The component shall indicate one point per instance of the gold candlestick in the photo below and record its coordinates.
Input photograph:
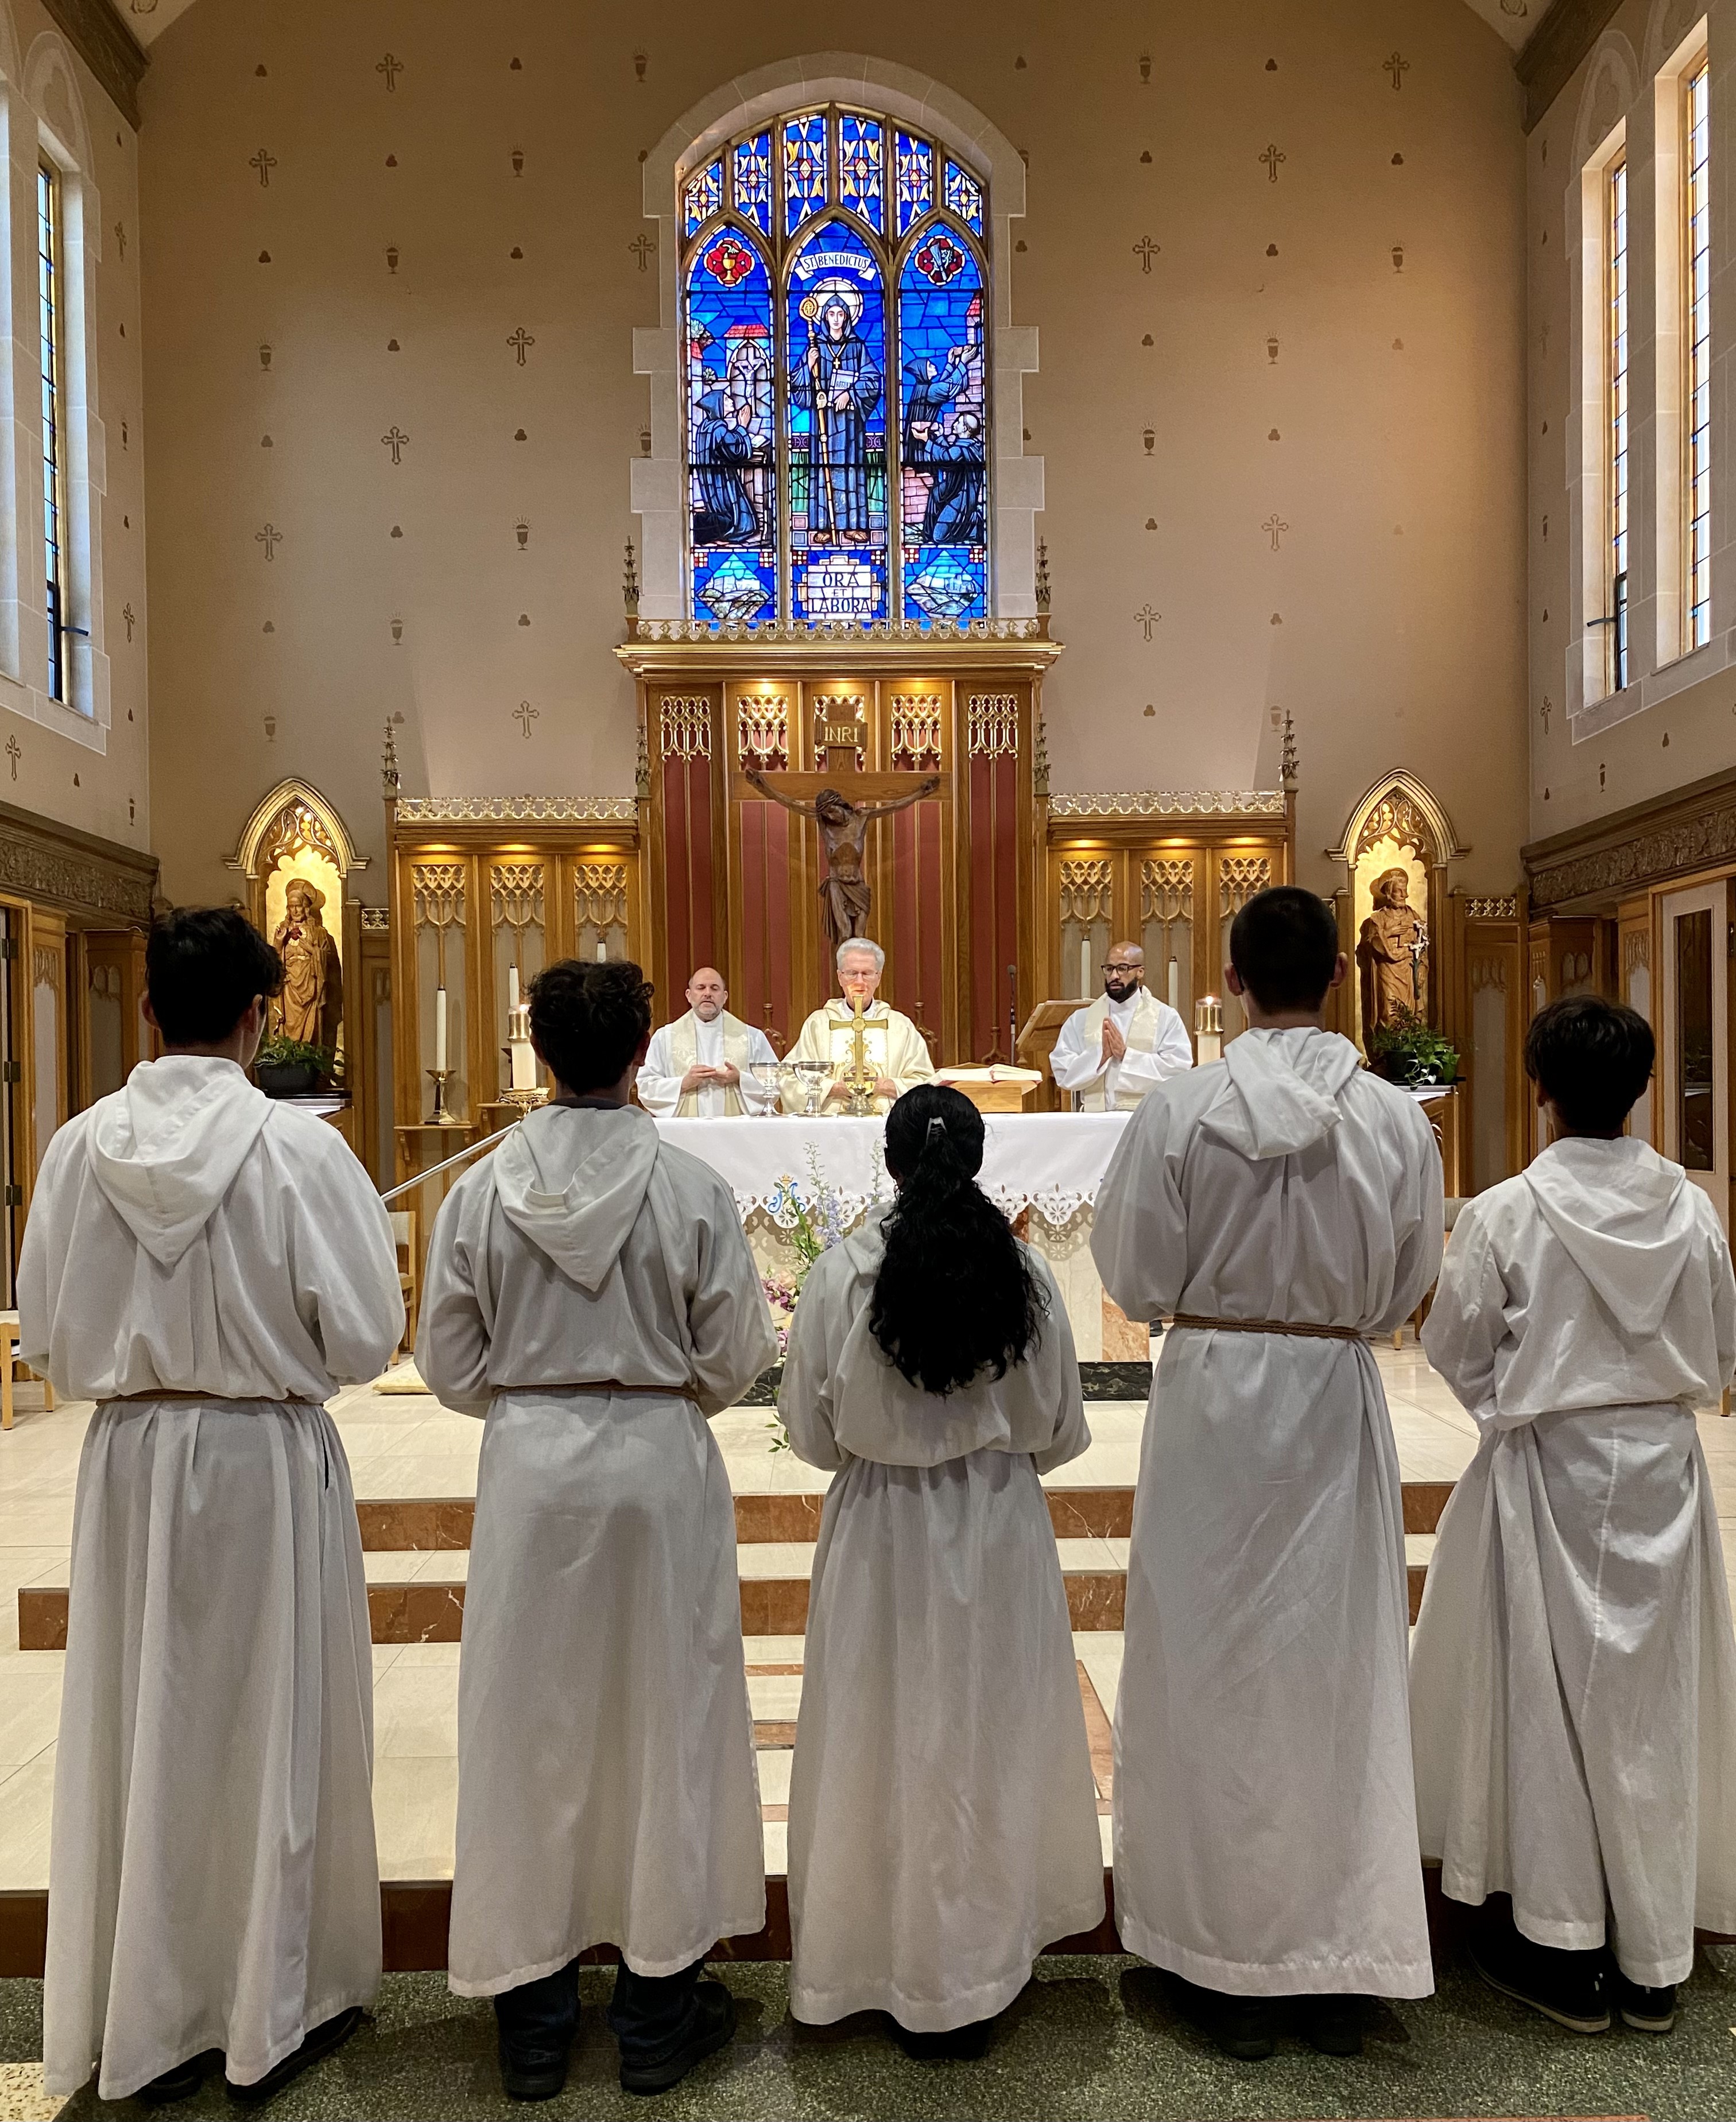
(440, 1117)
(1208, 1030)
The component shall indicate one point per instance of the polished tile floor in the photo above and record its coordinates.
(405, 1446)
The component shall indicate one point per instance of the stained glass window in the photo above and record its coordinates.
(859, 185)
(702, 196)
(915, 181)
(752, 178)
(804, 169)
(731, 456)
(965, 197)
(838, 418)
(49, 282)
(943, 542)
(1698, 336)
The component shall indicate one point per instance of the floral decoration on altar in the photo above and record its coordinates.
(816, 1219)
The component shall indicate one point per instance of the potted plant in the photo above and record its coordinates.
(1410, 1051)
(290, 1068)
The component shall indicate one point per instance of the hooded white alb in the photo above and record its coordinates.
(606, 1785)
(1264, 1836)
(1573, 1681)
(943, 1818)
(213, 1875)
(190, 1234)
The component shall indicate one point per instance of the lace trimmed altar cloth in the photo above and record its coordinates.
(1051, 1163)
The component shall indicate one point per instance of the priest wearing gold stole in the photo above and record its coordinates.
(895, 1050)
(708, 1064)
(1118, 1047)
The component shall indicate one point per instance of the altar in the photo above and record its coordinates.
(1042, 1169)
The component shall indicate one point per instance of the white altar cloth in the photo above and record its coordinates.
(1051, 1162)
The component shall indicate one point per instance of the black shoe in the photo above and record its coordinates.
(1646, 2011)
(186, 2078)
(319, 2044)
(967, 2043)
(1243, 2027)
(534, 2074)
(713, 2020)
(1570, 1987)
(1334, 2025)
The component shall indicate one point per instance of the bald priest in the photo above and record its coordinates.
(895, 1050)
(1113, 1051)
(707, 1065)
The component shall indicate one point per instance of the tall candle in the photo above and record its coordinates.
(512, 986)
(603, 954)
(1175, 984)
(1085, 967)
(440, 1027)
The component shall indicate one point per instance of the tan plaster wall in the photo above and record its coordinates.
(1399, 469)
(111, 793)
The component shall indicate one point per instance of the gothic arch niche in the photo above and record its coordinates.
(1400, 825)
(762, 100)
(294, 835)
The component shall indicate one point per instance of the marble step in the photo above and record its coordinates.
(774, 1562)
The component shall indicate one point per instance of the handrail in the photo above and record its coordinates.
(434, 1170)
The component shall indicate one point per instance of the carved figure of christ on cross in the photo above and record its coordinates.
(845, 892)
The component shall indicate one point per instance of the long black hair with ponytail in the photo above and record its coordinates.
(955, 1293)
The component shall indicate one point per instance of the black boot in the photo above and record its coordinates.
(966, 2044)
(665, 2024)
(536, 2023)
(1244, 2027)
(320, 2043)
(1570, 1987)
(182, 2082)
(1334, 2024)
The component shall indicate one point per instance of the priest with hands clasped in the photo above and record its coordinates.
(1116, 1050)
(894, 1047)
(708, 1064)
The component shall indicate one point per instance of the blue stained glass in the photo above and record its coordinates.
(860, 175)
(942, 430)
(702, 196)
(915, 181)
(752, 174)
(965, 197)
(731, 480)
(837, 496)
(804, 169)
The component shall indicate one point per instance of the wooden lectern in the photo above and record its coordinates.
(1036, 1043)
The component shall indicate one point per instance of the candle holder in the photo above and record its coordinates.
(440, 1117)
(1208, 1030)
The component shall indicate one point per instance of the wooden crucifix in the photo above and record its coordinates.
(845, 894)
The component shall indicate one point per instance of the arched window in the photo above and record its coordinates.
(834, 345)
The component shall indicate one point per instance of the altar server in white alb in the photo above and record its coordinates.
(1118, 1047)
(1284, 1205)
(1572, 1685)
(892, 1042)
(943, 1816)
(708, 1064)
(209, 1266)
(589, 1292)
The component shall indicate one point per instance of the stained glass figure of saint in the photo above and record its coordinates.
(943, 430)
(837, 339)
(732, 535)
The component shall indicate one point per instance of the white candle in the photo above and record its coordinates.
(603, 954)
(512, 986)
(440, 1027)
(1085, 967)
(1175, 984)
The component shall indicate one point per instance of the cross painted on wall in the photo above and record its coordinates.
(264, 162)
(642, 247)
(1147, 618)
(1145, 251)
(524, 714)
(1398, 67)
(1272, 158)
(395, 440)
(520, 341)
(121, 237)
(390, 68)
(270, 538)
(126, 613)
(14, 752)
(1275, 527)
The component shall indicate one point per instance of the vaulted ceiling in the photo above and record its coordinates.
(1512, 19)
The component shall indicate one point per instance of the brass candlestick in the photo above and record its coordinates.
(440, 1117)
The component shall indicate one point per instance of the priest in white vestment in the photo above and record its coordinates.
(943, 1816)
(1110, 1054)
(893, 1045)
(590, 1293)
(1284, 1205)
(708, 1064)
(1573, 1679)
(208, 1266)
